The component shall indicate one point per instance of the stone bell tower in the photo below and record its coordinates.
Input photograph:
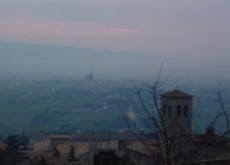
(176, 111)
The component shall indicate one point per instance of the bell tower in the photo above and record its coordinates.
(176, 112)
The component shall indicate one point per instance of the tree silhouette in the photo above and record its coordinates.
(2, 157)
(12, 154)
(71, 156)
(56, 153)
(179, 148)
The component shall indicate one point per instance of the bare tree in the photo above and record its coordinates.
(173, 137)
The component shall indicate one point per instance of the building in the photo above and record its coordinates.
(176, 107)
(51, 142)
(176, 122)
(140, 153)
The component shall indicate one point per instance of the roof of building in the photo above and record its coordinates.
(59, 137)
(210, 137)
(147, 149)
(176, 94)
(103, 136)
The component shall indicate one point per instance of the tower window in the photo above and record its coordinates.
(169, 111)
(185, 111)
(178, 111)
(164, 110)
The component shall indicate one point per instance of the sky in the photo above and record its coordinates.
(193, 31)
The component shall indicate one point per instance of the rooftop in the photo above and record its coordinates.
(59, 137)
(104, 136)
(176, 94)
(139, 147)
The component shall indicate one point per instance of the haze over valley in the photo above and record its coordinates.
(49, 47)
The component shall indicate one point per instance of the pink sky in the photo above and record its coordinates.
(192, 28)
(66, 33)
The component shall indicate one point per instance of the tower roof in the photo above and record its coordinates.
(176, 94)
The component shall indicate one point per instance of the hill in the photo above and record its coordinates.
(53, 60)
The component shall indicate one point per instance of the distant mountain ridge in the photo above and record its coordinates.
(27, 47)
(52, 59)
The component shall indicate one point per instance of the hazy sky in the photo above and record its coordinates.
(193, 30)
